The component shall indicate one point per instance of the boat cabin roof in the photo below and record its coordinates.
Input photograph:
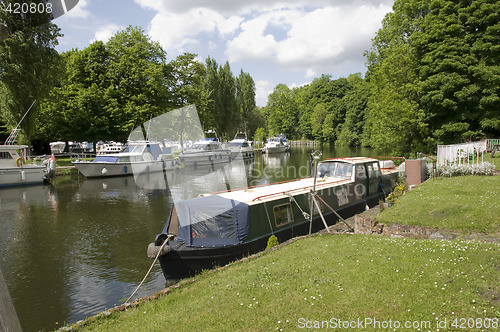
(351, 160)
(9, 147)
(259, 194)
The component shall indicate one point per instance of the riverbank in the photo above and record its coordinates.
(328, 279)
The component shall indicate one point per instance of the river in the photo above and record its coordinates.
(77, 247)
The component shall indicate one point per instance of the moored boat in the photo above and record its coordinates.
(138, 157)
(275, 145)
(218, 228)
(207, 151)
(16, 171)
(241, 147)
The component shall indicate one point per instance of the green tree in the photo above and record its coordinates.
(355, 103)
(187, 82)
(222, 110)
(245, 98)
(107, 89)
(317, 119)
(458, 52)
(138, 75)
(282, 112)
(433, 73)
(29, 64)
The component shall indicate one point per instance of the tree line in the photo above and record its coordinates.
(433, 78)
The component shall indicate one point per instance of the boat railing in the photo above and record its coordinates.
(82, 156)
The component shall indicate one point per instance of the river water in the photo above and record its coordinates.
(77, 247)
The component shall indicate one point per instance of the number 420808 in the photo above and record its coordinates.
(25, 8)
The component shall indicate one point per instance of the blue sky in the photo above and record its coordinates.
(276, 42)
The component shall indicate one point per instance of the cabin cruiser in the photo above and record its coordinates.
(240, 146)
(57, 147)
(206, 152)
(275, 145)
(285, 141)
(217, 228)
(15, 170)
(138, 157)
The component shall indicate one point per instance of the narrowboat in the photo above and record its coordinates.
(215, 229)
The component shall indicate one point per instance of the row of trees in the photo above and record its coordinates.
(433, 78)
(109, 88)
(103, 91)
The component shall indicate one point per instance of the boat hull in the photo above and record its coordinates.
(183, 261)
(91, 169)
(17, 176)
(275, 149)
(195, 159)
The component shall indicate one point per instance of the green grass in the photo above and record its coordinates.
(468, 204)
(329, 278)
(495, 160)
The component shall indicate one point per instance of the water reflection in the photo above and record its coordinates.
(73, 249)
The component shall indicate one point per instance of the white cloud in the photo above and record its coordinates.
(315, 40)
(262, 90)
(174, 31)
(79, 11)
(105, 32)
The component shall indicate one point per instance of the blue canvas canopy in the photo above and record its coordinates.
(212, 221)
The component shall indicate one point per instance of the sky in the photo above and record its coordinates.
(277, 42)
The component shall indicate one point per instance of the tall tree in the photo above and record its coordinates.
(187, 81)
(108, 88)
(282, 112)
(222, 110)
(434, 74)
(245, 98)
(138, 75)
(28, 63)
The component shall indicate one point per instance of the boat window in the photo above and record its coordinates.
(200, 146)
(326, 169)
(235, 144)
(283, 214)
(5, 155)
(343, 170)
(372, 170)
(360, 172)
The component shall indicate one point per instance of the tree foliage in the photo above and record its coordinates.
(434, 75)
(28, 64)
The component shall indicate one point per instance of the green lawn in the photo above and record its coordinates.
(467, 204)
(328, 280)
(495, 160)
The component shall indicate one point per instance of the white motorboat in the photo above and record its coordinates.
(138, 157)
(240, 146)
(15, 171)
(285, 141)
(205, 152)
(275, 145)
(57, 147)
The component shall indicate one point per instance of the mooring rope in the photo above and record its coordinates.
(268, 218)
(150, 268)
(305, 214)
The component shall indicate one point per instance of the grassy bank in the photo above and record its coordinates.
(468, 204)
(329, 278)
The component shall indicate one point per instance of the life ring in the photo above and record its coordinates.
(20, 161)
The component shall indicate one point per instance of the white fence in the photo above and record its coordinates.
(490, 143)
(466, 153)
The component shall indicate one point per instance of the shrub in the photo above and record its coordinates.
(485, 168)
